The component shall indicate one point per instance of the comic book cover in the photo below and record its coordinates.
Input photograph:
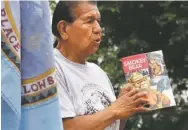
(147, 71)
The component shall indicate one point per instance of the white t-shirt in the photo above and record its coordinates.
(83, 88)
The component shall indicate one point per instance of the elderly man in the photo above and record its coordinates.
(87, 99)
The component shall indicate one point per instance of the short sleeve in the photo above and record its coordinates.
(66, 105)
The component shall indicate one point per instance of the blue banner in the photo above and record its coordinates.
(10, 65)
(29, 95)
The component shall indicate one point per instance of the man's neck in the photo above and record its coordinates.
(71, 54)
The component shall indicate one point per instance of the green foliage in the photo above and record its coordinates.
(132, 27)
(52, 5)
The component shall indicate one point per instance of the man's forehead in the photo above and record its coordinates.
(86, 10)
(93, 12)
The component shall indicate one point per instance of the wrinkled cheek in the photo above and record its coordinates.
(88, 34)
(87, 38)
(76, 38)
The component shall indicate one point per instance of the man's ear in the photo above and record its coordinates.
(62, 28)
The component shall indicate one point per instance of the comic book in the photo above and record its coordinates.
(147, 71)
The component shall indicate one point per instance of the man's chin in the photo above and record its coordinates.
(93, 51)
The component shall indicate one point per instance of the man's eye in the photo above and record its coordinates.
(90, 20)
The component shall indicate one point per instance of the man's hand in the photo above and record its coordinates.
(125, 88)
(129, 102)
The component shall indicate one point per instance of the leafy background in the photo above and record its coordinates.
(131, 27)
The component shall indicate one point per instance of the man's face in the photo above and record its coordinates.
(84, 34)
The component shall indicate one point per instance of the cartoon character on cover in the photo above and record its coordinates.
(156, 68)
(139, 81)
(156, 98)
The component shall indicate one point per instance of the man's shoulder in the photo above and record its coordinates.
(95, 67)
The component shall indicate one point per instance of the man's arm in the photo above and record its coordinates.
(97, 121)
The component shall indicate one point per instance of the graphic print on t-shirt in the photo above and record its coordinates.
(95, 98)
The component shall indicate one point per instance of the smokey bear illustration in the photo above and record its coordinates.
(149, 77)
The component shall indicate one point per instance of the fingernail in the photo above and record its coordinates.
(145, 92)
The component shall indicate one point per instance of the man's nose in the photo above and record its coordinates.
(97, 28)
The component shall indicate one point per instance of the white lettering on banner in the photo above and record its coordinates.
(134, 64)
(38, 86)
(7, 30)
(137, 61)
